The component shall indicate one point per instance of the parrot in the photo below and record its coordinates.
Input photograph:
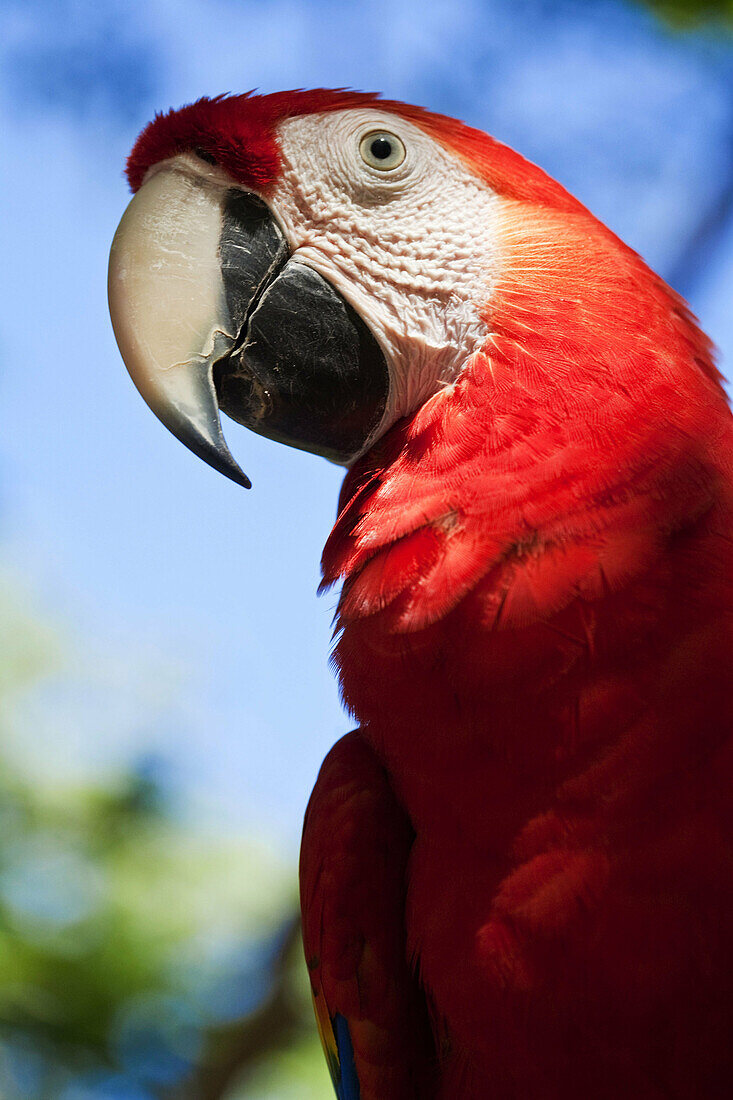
(516, 872)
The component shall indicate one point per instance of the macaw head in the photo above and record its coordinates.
(315, 264)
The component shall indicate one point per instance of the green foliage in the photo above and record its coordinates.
(296, 1073)
(129, 938)
(690, 13)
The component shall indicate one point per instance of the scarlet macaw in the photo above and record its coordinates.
(517, 873)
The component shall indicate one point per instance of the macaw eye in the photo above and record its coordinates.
(382, 150)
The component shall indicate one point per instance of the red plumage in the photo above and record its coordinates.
(529, 841)
(536, 632)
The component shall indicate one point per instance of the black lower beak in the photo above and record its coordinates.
(306, 370)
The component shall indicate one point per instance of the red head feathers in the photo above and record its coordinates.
(239, 132)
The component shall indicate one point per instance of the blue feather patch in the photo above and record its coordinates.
(347, 1087)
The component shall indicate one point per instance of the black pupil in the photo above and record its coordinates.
(381, 148)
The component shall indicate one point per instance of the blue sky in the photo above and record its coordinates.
(186, 606)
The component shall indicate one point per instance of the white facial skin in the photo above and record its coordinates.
(412, 248)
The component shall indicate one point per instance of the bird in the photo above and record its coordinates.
(517, 869)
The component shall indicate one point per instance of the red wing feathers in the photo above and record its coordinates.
(354, 858)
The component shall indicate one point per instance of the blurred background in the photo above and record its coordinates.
(165, 696)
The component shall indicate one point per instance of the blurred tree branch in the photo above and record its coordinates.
(701, 244)
(702, 241)
(236, 1047)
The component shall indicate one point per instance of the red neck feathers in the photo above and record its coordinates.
(536, 563)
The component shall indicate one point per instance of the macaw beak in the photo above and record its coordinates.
(210, 311)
